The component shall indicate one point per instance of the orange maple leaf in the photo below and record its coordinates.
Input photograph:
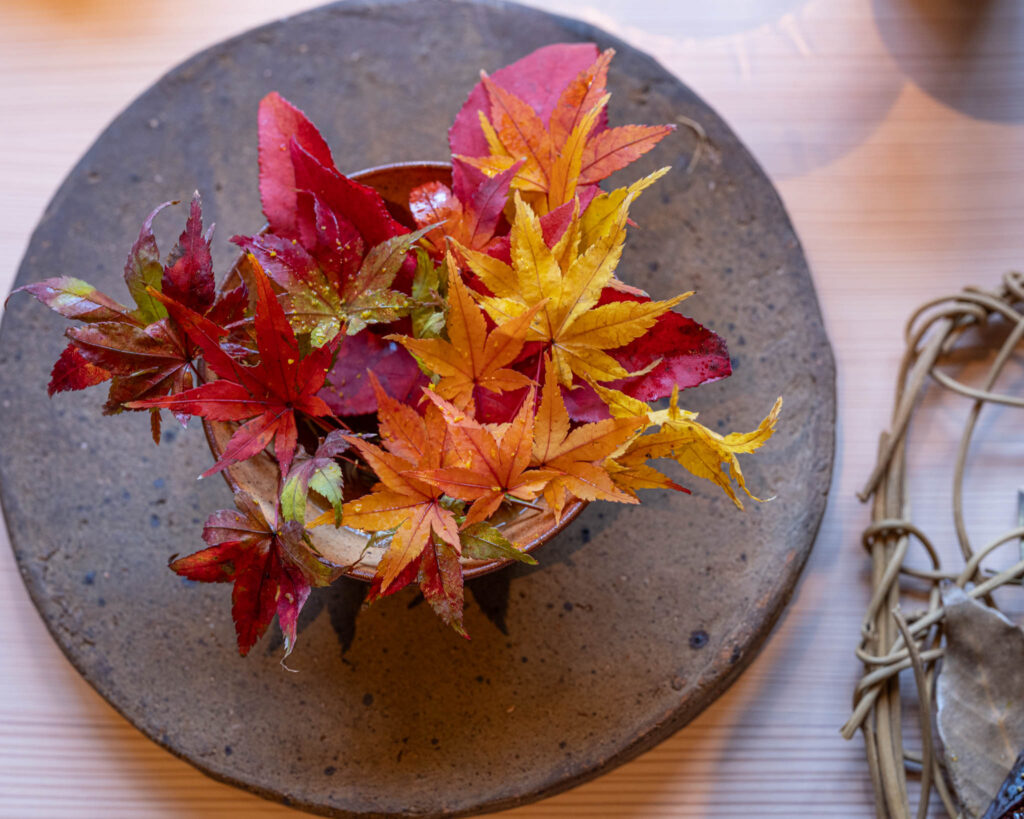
(572, 149)
(577, 456)
(426, 536)
(471, 357)
(498, 457)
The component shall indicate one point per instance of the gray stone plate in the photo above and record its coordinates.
(637, 617)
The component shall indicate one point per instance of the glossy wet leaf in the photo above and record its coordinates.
(470, 212)
(348, 391)
(188, 276)
(144, 270)
(73, 371)
(427, 316)
(281, 124)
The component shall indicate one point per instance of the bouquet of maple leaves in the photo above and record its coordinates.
(499, 359)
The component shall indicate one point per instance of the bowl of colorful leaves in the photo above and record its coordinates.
(417, 373)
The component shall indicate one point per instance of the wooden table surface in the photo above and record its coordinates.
(894, 130)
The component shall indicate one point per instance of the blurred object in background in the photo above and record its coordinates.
(960, 51)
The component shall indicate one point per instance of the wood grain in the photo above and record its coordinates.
(893, 130)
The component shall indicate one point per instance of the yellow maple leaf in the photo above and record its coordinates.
(621, 405)
(634, 475)
(602, 214)
(699, 450)
(567, 282)
(471, 356)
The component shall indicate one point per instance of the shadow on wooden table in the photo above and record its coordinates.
(967, 55)
(778, 113)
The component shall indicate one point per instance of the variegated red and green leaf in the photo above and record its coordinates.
(272, 569)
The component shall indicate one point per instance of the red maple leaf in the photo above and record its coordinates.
(266, 395)
(539, 78)
(280, 124)
(272, 568)
(143, 352)
(347, 390)
(306, 198)
(321, 228)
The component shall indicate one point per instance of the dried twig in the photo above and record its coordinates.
(890, 643)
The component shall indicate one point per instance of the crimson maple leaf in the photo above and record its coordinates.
(272, 568)
(348, 391)
(143, 352)
(296, 164)
(266, 395)
(306, 199)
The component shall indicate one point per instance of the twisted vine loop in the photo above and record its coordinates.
(891, 640)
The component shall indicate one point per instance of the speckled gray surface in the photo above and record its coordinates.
(636, 618)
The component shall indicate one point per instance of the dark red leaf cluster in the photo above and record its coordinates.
(321, 225)
(268, 395)
(144, 351)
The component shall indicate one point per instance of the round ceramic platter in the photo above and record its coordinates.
(636, 618)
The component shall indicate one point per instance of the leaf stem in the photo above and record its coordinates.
(521, 502)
